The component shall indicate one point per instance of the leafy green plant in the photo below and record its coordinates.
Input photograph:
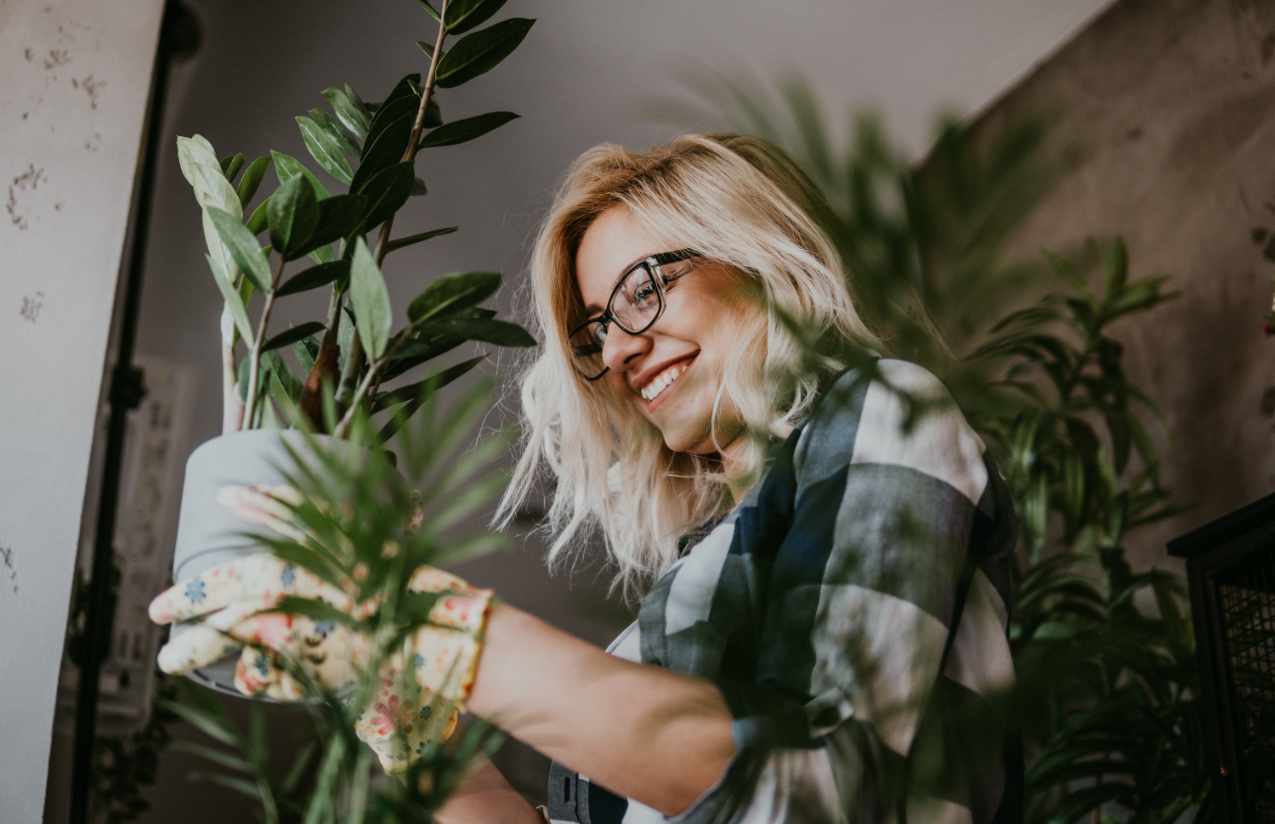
(371, 149)
(349, 515)
(1107, 695)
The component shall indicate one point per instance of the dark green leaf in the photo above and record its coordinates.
(319, 275)
(239, 785)
(386, 192)
(431, 10)
(294, 214)
(287, 167)
(234, 304)
(499, 332)
(481, 51)
(348, 113)
(325, 149)
(371, 301)
(294, 334)
(463, 15)
(459, 131)
(400, 243)
(252, 179)
(451, 293)
(339, 219)
(230, 166)
(433, 114)
(433, 383)
(243, 247)
(219, 757)
(204, 721)
(427, 48)
(259, 220)
(387, 141)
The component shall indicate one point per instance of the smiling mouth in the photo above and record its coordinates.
(663, 382)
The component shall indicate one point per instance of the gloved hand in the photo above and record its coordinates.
(225, 597)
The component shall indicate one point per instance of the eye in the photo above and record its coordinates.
(644, 293)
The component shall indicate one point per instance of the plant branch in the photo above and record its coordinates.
(254, 367)
(354, 362)
(231, 406)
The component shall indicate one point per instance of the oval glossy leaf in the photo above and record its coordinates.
(436, 381)
(451, 293)
(325, 149)
(459, 131)
(230, 166)
(384, 148)
(287, 167)
(202, 171)
(386, 192)
(499, 332)
(481, 51)
(463, 15)
(339, 218)
(294, 213)
(290, 336)
(371, 301)
(402, 242)
(433, 114)
(349, 114)
(234, 304)
(319, 275)
(259, 220)
(243, 247)
(251, 180)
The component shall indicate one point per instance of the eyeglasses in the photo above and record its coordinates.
(636, 302)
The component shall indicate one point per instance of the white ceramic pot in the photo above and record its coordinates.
(208, 533)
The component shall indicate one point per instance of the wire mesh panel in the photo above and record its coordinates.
(1231, 568)
(1246, 599)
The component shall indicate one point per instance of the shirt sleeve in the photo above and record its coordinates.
(885, 509)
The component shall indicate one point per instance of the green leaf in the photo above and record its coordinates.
(481, 51)
(252, 179)
(202, 170)
(287, 167)
(403, 242)
(460, 131)
(234, 304)
(463, 15)
(204, 721)
(430, 9)
(316, 276)
(293, 335)
(259, 220)
(325, 149)
(219, 757)
(499, 332)
(386, 143)
(239, 785)
(230, 166)
(433, 383)
(433, 114)
(371, 301)
(427, 48)
(339, 219)
(451, 293)
(386, 192)
(348, 113)
(243, 247)
(294, 214)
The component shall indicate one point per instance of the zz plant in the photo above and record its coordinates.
(371, 151)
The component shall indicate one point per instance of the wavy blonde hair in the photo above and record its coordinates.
(737, 200)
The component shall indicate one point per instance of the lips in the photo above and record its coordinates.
(655, 390)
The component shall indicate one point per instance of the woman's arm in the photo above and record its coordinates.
(641, 731)
(485, 797)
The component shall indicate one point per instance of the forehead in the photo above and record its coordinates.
(614, 241)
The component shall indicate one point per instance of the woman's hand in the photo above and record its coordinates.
(232, 603)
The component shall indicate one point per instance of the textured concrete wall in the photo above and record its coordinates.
(1172, 103)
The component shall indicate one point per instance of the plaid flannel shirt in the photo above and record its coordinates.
(821, 607)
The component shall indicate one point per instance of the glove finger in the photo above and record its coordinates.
(266, 506)
(464, 611)
(433, 579)
(255, 672)
(203, 643)
(217, 587)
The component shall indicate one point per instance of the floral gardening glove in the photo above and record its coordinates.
(440, 657)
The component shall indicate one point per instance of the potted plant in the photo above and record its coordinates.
(347, 364)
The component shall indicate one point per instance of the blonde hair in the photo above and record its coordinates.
(737, 200)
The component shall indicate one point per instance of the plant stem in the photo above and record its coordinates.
(354, 362)
(231, 406)
(250, 406)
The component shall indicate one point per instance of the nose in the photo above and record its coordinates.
(621, 347)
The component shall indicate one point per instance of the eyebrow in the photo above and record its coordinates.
(593, 308)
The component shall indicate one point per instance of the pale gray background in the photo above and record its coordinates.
(584, 75)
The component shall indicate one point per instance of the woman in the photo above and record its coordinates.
(802, 546)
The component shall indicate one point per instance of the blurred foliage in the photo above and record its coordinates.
(1107, 696)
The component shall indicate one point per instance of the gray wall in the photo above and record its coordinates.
(586, 74)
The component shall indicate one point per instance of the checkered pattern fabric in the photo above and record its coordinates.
(821, 607)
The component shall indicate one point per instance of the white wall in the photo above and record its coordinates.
(76, 76)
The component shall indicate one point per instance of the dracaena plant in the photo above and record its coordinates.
(316, 238)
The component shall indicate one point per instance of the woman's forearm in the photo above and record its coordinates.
(642, 731)
(485, 797)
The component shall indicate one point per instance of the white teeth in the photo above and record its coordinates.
(662, 381)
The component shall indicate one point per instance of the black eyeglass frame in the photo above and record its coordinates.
(648, 263)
